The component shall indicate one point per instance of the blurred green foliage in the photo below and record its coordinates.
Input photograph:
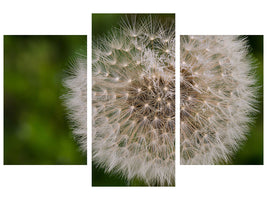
(36, 130)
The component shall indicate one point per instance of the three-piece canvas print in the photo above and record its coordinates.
(133, 98)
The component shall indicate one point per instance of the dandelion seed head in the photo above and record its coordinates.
(217, 97)
(76, 99)
(138, 141)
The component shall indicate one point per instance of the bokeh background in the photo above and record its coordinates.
(250, 153)
(36, 129)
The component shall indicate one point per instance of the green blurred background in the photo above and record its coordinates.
(250, 153)
(36, 129)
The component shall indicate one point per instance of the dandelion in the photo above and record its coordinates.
(217, 97)
(134, 101)
(76, 100)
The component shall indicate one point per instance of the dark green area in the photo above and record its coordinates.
(100, 178)
(102, 24)
(36, 130)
